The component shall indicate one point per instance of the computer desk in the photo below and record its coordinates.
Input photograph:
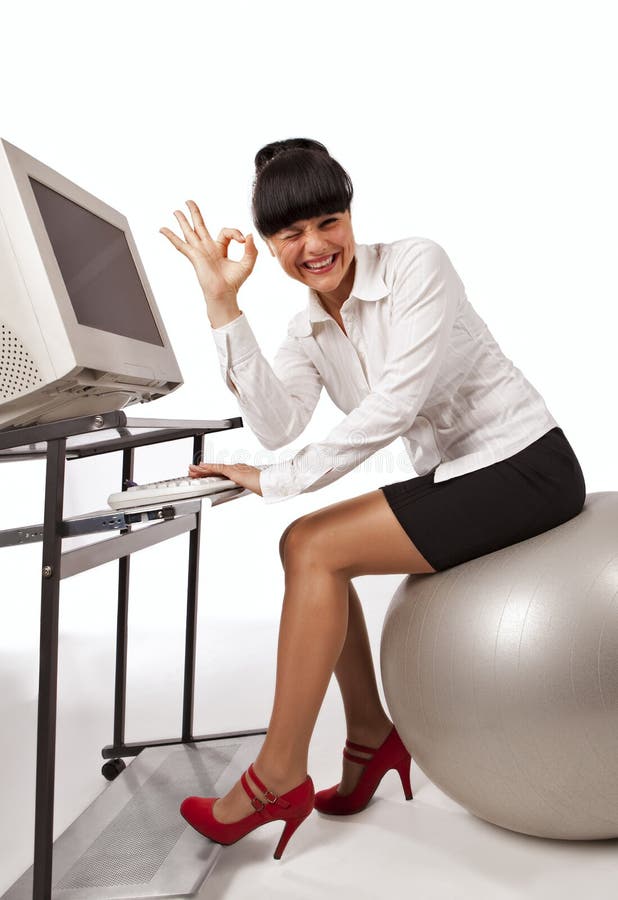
(58, 443)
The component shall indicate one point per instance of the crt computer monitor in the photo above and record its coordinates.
(80, 332)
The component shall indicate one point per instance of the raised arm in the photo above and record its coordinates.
(276, 402)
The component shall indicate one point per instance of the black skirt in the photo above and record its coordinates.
(501, 504)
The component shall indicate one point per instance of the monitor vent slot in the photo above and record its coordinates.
(18, 372)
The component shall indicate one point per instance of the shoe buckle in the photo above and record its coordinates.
(256, 800)
(270, 799)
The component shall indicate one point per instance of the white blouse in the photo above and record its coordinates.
(418, 363)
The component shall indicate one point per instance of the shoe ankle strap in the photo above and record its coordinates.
(354, 758)
(352, 746)
(256, 803)
(269, 796)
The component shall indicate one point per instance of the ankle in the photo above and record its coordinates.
(276, 779)
(369, 734)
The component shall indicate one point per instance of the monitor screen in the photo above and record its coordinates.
(96, 264)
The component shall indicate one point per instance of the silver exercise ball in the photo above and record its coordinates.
(501, 676)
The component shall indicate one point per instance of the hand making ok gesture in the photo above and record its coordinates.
(220, 278)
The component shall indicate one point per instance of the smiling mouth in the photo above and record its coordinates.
(322, 265)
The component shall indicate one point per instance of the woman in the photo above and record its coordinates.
(389, 332)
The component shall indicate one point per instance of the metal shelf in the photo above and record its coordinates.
(94, 435)
(107, 520)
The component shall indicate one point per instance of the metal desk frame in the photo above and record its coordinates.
(53, 443)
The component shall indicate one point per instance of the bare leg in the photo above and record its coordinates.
(323, 551)
(367, 722)
(312, 632)
(366, 719)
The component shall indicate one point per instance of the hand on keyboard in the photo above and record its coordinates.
(244, 475)
(172, 489)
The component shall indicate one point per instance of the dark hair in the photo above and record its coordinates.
(297, 179)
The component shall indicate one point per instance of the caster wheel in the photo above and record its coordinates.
(112, 768)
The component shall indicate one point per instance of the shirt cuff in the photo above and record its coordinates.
(307, 471)
(235, 341)
(275, 483)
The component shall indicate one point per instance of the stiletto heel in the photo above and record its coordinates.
(404, 773)
(293, 807)
(290, 827)
(391, 754)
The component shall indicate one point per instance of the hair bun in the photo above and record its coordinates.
(276, 148)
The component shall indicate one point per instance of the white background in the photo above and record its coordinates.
(488, 127)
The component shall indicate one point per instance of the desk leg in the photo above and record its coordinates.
(48, 672)
(124, 564)
(191, 624)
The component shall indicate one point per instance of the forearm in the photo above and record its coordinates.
(222, 312)
(370, 427)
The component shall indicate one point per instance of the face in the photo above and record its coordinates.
(318, 252)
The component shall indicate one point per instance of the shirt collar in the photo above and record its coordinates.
(368, 285)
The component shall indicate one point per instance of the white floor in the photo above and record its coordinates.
(426, 848)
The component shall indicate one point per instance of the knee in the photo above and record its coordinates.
(303, 540)
(284, 539)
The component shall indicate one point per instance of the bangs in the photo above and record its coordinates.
(299, 184)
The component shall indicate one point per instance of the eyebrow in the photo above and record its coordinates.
(301, 222)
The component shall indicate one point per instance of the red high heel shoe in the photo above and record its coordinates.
(293, 807)
(391, 754)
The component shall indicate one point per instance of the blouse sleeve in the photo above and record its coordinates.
(426, 291)
(276, 402)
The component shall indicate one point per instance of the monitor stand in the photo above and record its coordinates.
(131, 842)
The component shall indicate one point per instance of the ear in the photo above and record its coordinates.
(269, 245)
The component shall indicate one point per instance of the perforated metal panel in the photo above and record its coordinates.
(135, 844)
(18, 371)
(132, 843)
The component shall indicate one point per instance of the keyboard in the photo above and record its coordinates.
(173, 489)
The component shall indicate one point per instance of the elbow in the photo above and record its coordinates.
(270, 443)
(274, 441)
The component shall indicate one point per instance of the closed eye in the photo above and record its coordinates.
(291, 235)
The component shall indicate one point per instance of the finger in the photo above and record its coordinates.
(250, 255)
(226, 236)
(190, 235)
(206, 468)
(173, 238)
(200, 465)
(198, 221)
